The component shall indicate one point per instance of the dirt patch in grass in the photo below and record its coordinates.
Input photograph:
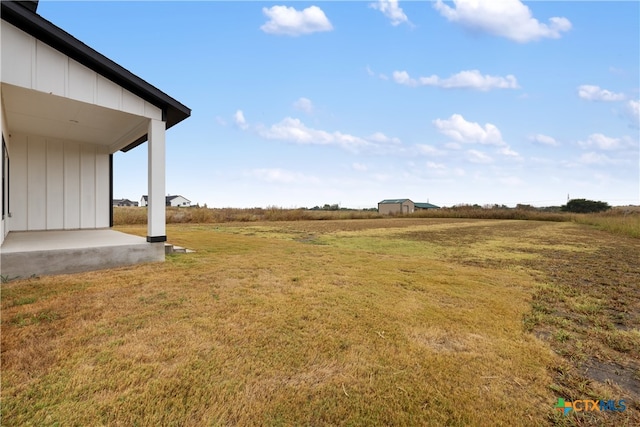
(595, 299)
(625, 378)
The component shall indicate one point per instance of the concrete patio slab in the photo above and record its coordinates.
(28, 253)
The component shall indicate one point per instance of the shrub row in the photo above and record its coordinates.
(620, 221)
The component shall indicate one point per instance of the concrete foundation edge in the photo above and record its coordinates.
(65, 261)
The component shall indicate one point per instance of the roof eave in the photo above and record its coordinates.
(172, 110)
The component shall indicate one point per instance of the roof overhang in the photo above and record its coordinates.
(38, 113)
(33, 24)
(32, 5)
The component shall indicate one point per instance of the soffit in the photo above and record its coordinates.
(37, 113)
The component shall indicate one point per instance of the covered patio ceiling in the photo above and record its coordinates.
(38, 113)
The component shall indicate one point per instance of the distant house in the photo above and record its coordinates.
(396, 206)
(123, 202)
(177, 201)
(422, 206)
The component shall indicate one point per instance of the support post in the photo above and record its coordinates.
(156, 229)
(110, 190)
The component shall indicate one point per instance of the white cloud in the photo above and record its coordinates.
(221, 121)
(281, 176)
(476, 156)
(511, 181)
(542, 160)
(239, 120)
(469, 79)
(293, 130)
(382, 177)
(433, 165)
(373, 74)
(402, 77)
(601, 141)
(595, 93)
(632, 110)
(429, 150)
(291, 22)
(359, 167)
(391, 10)
(505, 18)
(507, 151)
(304, 104)
(593, 158)
(460, 130)
(434, 170)
(290, 129)
(544, 139)
(381, 138)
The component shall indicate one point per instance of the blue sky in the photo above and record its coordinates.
(299, 104)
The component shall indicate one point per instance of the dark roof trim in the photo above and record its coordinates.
(16, 14)
(31, 5)
(393, 201)
(426, 205)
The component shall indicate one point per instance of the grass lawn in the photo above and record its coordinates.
(405, 321)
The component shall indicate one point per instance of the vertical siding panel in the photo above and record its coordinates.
(36, 183)
(55, 185)
(103, 203)
(108, 94)
(87, 186)
(71, 185)
(17, 55)
(82, 82)
(152, 111)
(132, 104)
(3, 190)
(18, 182)
(50, 70)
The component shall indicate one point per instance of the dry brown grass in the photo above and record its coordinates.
(623, 221)
(198, 215)
(402, 321)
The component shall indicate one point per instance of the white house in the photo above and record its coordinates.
(65, 109)
(176, 201)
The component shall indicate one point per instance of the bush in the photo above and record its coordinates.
(585, 206)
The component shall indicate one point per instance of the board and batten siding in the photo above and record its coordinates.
(4, 230)
(30, 63)
(58, 185)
